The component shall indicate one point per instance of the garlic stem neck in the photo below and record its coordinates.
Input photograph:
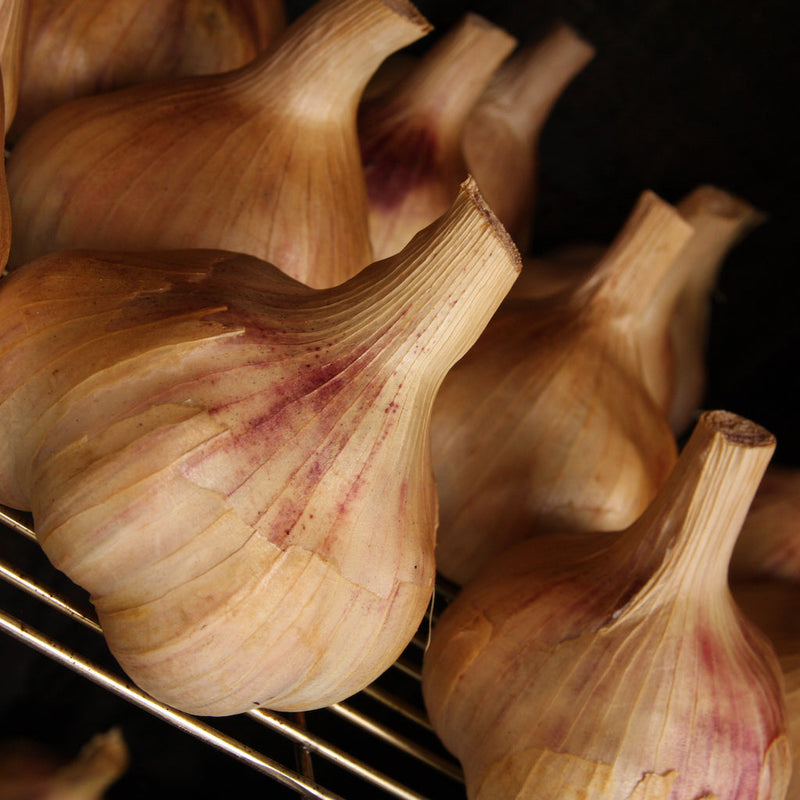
(445, 84)
(629, 279)
(696, 518)
(720, 220)
(326, 57)
(440, 291)
(526, 87)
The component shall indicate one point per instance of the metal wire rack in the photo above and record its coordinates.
(379, 740)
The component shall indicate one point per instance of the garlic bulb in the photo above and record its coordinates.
(31, 772)
(237, 466)
(411, 134)
(769, 544)
(616, 666)
(772, 605)
(720, 220)
(263, 160)
(78, 47)
(13, 25)
(501, 135)
(548, 422)
(682, 308)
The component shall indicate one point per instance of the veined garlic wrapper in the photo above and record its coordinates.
(78, 47)
(411, 134)
(263, 160)
(501, 135)
(772, 605)
(769, 544)
(616, 666)
(237, 466)
(548, 421)
(13, 24)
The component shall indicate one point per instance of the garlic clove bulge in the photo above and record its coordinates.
(263, 160)
(772, 605)
(548, 421)
(237, 466)
(14, 16)
(501, 136)
(616, 665)
(75, 48)
(411, 134)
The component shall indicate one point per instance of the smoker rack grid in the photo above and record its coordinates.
(389, 712)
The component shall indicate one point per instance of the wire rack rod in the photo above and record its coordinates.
(65, 656)
(401, 742)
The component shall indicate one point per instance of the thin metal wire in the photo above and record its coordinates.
(200, 730)
(302, 738)
(401, 742)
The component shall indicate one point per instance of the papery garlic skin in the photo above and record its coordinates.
(263, 160)
(548, 422)
(772, 605)
(616, 666)
(75, 48)
(14, 16)
(500, 140)
(410, 135)
(235, 466)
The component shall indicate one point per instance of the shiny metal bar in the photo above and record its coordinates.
(21, 581)
(333, 754)
(397, 705)
(380, 731)
(16, 520)
(200, 730)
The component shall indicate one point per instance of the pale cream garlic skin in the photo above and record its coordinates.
(263, 160)
(550, 421)
(237, 466)
(615, 666)
(79, 47)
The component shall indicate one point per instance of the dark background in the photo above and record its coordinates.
(678, 94)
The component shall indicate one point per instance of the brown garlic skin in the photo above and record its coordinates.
(30, 771)
(206, 446)
(410, 134)
(615, 665)
(14, 16)
(75, 48)
(769, 544)
(772, 605)
(721, 220)
(263, 160)
(501, 136)
(548, 422)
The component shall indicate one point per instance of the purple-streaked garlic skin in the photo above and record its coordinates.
(236, 466)
(410, 134)
(617, 663)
